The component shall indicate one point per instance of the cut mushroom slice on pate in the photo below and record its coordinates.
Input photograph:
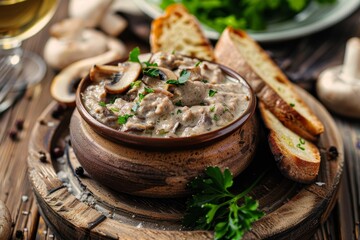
(122, 80)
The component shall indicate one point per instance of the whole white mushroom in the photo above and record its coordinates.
(339, 87)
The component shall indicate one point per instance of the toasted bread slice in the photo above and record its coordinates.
(177, 30)
(238, 51)
(297, 159)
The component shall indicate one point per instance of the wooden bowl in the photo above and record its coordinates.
(166, 143)
(160, 167)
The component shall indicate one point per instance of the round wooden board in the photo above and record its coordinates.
(81, 208)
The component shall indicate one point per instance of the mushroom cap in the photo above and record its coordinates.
(338, 95)
(129, 73)
(60, 53)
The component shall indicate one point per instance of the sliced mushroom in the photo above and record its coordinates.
(131, 71)
(166, 74)
(98, 73)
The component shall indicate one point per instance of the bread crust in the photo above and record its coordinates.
(226, 53)
(188, 39)
(291, 165)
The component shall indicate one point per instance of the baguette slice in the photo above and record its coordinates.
(297, 159)
(177, 30)
(238, 51)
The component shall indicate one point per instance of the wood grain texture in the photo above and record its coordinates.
(293, 210)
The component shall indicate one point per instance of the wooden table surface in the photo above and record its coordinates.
(302, 59)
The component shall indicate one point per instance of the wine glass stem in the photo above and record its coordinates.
(11, 50)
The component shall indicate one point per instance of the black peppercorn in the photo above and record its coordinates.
(19, 124)
(42, 156)
(58, 152)
(79, 171)
(13, 134)
(333, 153)
(19, 234)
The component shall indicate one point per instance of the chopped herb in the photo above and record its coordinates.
(214, 207)
(212, 108)
(102, 104)
(198, 63)
(149, 64)
(135, 84)
(134, 55)
(178, 103)
(225, 110)
(135, 107)
(212, 92)
(205, 81)
(122, 119)
(178, 111)
(172, 81)
(292, 104)
(151, 72)
(216, 118)
(149, 90)
(113, 100)
(301, 147)
(184, 76)
(163, 132)
(173, 52)
(301, 143)
(114, 109)
(141, 96)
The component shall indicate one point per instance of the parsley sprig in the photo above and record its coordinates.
(184, 76)
(122, 119)
(214, 207)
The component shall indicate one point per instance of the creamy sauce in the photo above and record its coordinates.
(208, 100)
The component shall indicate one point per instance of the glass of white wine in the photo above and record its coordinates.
(19, 20)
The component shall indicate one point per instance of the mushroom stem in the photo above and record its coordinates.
(351, 67)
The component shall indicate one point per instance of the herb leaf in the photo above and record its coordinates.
(184, 76)
(135, 84)
(122, 119)
(151, 72)
(141, 97)
(198, 63)
(134, 55)
(102, 104)
(214, 207)
(212, 92)
(179, 103)
(149, 90)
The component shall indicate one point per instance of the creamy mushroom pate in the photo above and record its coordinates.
(168, 96)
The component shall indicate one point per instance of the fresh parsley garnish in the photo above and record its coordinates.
(205, 81)
(134, 55)
(214, 207)
(301, 144)
(216, 118)
(151, 72)
(149, 90)
(179, 103)
(292, 104)
(198, 63)
(135, 84)
(184, 76)
(102, 104)
(163, 132)
(113, 100)
(114, 109)
(141, 96)
(212, 93)
(122, 119)
(149, 64)
(178, 111)
(212, 108)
